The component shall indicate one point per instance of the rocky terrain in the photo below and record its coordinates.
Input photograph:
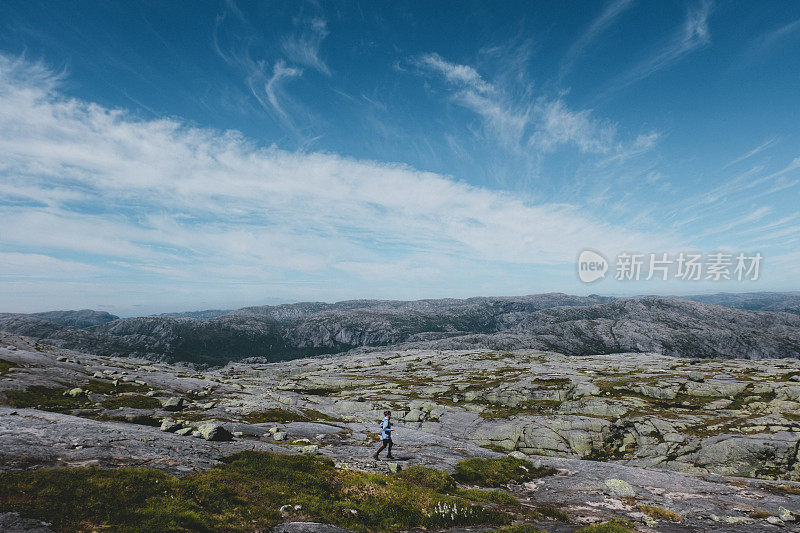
(566, 324)
(668, 443)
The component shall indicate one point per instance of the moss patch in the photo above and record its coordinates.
(108, 387)
(245, 493)
(136, 401)
(500, 471)
(5, 366)
(282, 415)
(614, 526)
(45, 398)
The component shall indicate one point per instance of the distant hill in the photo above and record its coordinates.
(572, 325)
(787, 302)
(77, 319)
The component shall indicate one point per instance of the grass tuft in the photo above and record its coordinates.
(659, 513)
(500, 471)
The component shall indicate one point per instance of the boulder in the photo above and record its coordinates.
(170, 425)
(214, 431)
(173, 403)
(310, 449)
(617, 488)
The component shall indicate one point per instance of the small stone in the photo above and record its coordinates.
(98, 375)
(74, 393)
(649, 521)
(184, 431)
(237, 433)
(273, 430)
(196, 434)
(785, 514)
(279, 435)
(774, 520)
(310, 449)
(696, 376)
(517, 455)
(394, 467)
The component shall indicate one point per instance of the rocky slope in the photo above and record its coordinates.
(715, 442)
(558, 322)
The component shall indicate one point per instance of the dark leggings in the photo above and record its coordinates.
(386, 442)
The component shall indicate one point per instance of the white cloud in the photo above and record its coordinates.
(455, 73)
(522, 124)
(160, 198)
(559, 125)
(26, 265)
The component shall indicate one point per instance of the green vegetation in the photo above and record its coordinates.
(245, 493)
(659, 513)
(489, 496)
(108, 387)
(5, 366)
(45, 398)
(613, 526)
(500, 471)
(274, 415)
(551, 511)
(761, 513)
(429, 478)
(142, 420)
(136, 401)
(282, 415)
(521, 528)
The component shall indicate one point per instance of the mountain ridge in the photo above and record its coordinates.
(574, 325)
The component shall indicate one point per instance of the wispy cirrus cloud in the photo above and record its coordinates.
(266, 78)
(755, 151)
(521, 122)
(762, 44)
(304, 47)
(693, 34)
(611, 12)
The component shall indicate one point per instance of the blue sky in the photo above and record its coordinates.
(156, 157)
